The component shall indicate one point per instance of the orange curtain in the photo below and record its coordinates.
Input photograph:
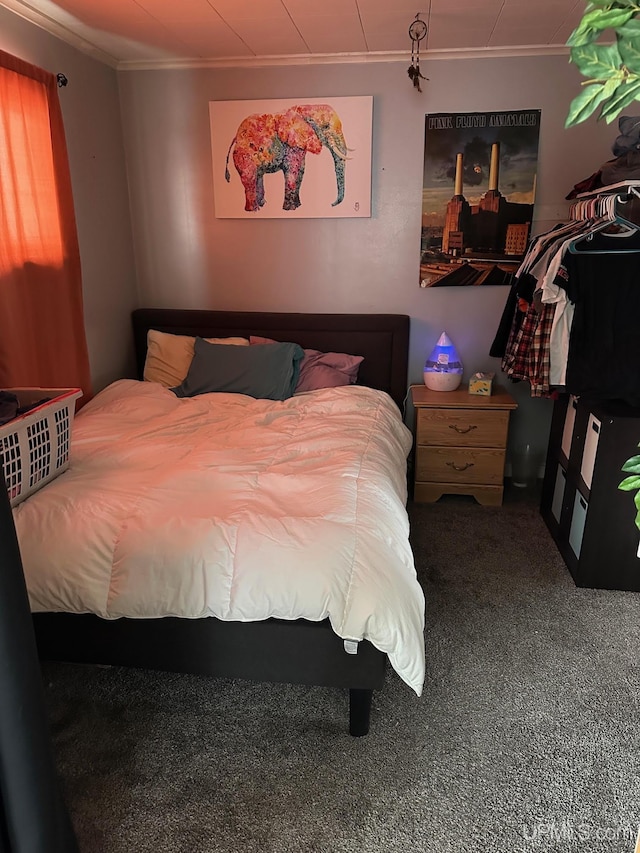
(42, 336)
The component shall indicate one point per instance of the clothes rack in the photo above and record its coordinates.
(595, 427)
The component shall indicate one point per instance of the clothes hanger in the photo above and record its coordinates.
(626, 231)
(610, 217)
(623, 200)
(557, 233)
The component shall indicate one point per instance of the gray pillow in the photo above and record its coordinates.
(268, 371)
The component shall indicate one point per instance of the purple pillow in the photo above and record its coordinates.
(322, 369)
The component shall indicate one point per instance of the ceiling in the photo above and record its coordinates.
(150, 33)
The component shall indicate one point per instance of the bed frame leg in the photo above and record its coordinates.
(359, 711)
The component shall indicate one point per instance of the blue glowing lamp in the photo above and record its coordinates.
(443, 369)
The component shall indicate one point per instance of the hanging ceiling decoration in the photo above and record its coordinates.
(417, 31)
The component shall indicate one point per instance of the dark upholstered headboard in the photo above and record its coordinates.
(382, 339)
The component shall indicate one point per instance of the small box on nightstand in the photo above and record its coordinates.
(480, 383)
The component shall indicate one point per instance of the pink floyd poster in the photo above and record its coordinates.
(478, 191)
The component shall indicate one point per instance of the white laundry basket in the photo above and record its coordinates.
(34, 447)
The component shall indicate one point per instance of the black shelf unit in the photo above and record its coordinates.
(591, 520)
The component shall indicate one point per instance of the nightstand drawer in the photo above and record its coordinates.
(467, 427)
(460, 445)
(460, 465)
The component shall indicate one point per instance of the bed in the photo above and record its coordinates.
(335, 650)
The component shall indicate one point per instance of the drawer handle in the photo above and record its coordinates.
(460, 430)
(460, 467)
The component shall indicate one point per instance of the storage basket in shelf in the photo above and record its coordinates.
(34, 447)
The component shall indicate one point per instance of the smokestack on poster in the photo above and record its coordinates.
(457, 189)
(457, 214)
(494, 168)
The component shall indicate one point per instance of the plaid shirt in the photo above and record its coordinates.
(539, 361)
(527, 352)
(515, 358)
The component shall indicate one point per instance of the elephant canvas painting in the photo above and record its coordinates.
(292, 159)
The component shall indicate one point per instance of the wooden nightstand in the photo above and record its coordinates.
(461, 440)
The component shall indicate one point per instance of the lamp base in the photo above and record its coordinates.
(441, 380)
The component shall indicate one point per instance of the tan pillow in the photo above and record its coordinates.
(169, 356)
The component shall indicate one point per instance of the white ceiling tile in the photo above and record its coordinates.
(299, 9)
(459, 9)
(233, 10)
(185, 10)
(129, 49)
(561, 6)
(502, 36)
(116, 14)
(382, 42)
(456, 38)
(389, 22)
(451, 20)
(211, 41)
(406, 8)
(270, 38)
(154, 41)
(520, 16)
(217, 40)
(151, 32)
(123, 7)
(568, 25)
(332, 35)
(325, 42)
(333, 23)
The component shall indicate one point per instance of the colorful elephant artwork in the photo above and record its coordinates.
(280, 142)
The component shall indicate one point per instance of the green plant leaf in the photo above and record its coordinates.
(630, 30)
(630, 52)
(636, 501)
(586, 103)
(612, 70)
(629, 484)
(582, 35)
(624, 95)
(604, 19)
(597, 61)
(613, 4)
(612, 84)
(632, 465)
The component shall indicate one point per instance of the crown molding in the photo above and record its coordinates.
(343, 58)
(56, 27)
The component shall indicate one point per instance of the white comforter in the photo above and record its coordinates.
(223, 505)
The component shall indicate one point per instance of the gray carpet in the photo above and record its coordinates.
(524, 740)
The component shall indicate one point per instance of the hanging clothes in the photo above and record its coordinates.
(570, 320)
(603, 283)
(522, 290)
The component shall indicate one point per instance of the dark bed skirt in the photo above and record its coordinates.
(275, 650)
